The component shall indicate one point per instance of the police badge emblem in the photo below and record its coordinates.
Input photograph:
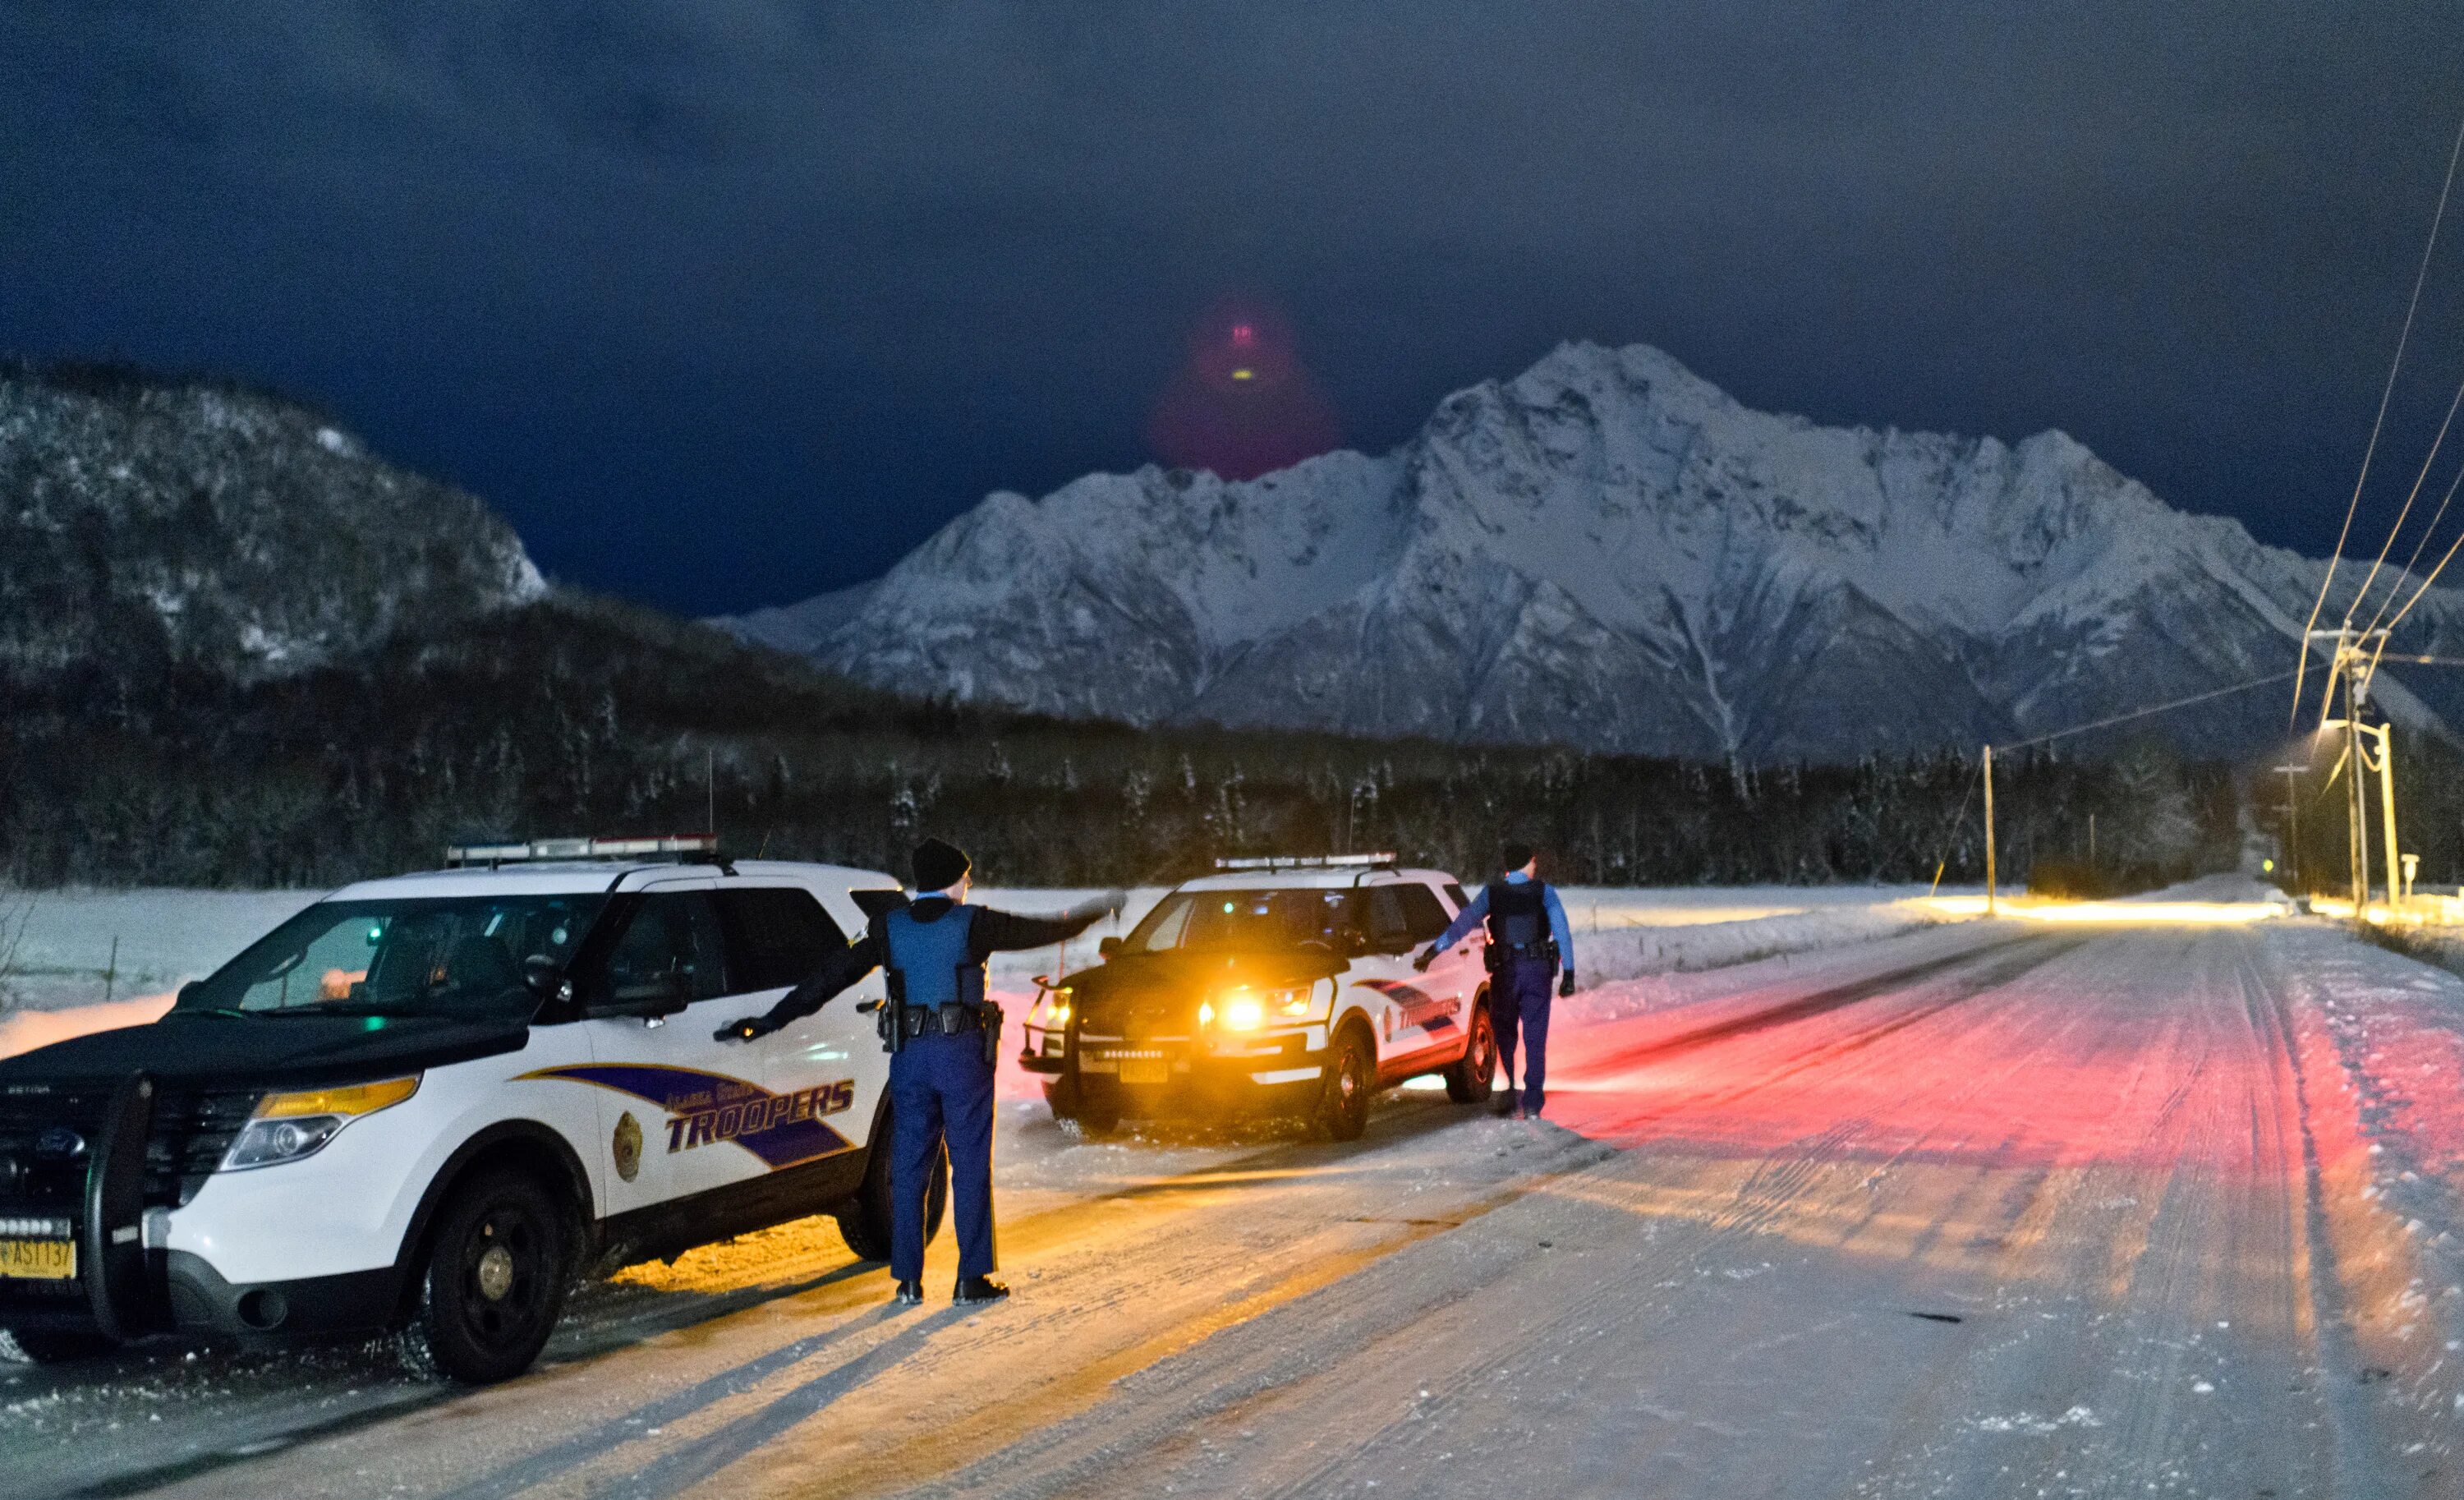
(628, 1146)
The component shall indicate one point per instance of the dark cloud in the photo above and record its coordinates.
(726, 301)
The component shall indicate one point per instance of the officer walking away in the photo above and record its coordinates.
(943, 1037)
(1527, 940)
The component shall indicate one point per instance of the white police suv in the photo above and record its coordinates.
(426, 1104)
(1276, 986)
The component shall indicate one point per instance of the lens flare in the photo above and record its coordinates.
(1242, 402)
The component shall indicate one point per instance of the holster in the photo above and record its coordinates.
(990, 1019)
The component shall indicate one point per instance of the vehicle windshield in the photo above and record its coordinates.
(1245, 919)
(432, 956)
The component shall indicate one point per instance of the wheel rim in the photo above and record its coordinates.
(1485, 1053)
(505, 1279)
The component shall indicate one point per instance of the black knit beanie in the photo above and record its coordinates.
(938, 866)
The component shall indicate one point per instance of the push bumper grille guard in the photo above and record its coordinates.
(111, 1237)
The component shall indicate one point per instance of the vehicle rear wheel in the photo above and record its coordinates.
(865, 1219)
(53, 1346)
(1467, 1082)
(493, 1281)
(1351, 1078)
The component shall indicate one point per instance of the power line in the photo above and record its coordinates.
(2427, 532)
(2143, 712)
(2428, 461)
(2420, 274)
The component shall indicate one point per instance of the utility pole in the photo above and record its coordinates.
(2387, 809)
(1988, 831)
(2293, 820)
(2352, 663)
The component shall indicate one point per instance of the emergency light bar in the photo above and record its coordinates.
(581, 849)
(1307, 862)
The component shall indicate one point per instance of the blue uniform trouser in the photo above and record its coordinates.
(1518, 1009)
(941, 1089)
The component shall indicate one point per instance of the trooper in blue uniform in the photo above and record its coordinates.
(942, 1037)
(1528, 941)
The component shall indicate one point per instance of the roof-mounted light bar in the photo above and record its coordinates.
(1308, 862)
(513, 853)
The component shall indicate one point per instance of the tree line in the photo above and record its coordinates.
(584, 716)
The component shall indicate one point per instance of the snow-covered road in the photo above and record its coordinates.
(1987, 1210)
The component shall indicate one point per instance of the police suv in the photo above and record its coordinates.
(426, 1104)
(1278, 986)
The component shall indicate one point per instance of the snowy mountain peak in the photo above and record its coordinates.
(1605, 550)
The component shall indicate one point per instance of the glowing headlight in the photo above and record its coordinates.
(1243, 1013)
(289, 1126)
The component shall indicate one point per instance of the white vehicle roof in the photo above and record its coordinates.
(1310, 879)
(592, 876)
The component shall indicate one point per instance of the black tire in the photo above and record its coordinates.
(492, 1281)
(1468, 1081)
(863, 1220)
(1350, 1081)
(57, 1346)
(1060, 1096)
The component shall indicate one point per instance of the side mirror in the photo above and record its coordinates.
(539, 975)
(647, 1007)
(1108, 947)
(188, 992)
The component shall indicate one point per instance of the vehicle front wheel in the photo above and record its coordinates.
(1351, 1078)
(864, 1220)
(493, 1281)
(1467, 1082)
(53, 1346)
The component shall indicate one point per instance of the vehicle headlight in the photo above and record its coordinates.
(1243, 1010)
(1050, 1009)
(286, 1126)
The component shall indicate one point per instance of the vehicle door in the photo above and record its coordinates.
(680, 1112)
(1405, 1006)
(1452, 984)
(829, 1067)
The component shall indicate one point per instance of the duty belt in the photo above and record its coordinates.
(955, 1019)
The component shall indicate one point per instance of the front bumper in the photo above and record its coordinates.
(1156, 1077)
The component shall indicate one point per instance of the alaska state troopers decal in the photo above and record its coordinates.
(784, 1130)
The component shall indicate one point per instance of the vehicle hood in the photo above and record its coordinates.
(304, 1050)
(1132, 993)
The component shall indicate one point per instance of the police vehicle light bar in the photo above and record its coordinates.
(1307, 862)
(581, 849)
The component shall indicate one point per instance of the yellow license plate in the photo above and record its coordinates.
(1146, 1069)
(38, 1260)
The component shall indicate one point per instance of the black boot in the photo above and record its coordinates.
(974, 1290)
(910, 1293)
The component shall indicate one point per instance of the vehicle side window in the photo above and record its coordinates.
(1390, 927)
(1422, 916)
(1455, 893)
(776, 935)
(671, 950)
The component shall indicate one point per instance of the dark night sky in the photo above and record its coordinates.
(728, 301)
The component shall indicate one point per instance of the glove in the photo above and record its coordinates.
(1566, 986)
(751, 1028)
(1422, 959)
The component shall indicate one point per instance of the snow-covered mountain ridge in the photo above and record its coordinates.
(1608, 551)
(179, 522)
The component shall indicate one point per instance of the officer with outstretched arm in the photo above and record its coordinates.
(1527, 940)
(943, 1037)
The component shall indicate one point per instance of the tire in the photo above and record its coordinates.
(1099, 1113)
(863, 1220)
(1350, 1081)
(1468, 1081)
(53, 1346)
(1061, 1099)
(492, 1281)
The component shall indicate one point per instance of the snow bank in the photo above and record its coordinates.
(1636, 952)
